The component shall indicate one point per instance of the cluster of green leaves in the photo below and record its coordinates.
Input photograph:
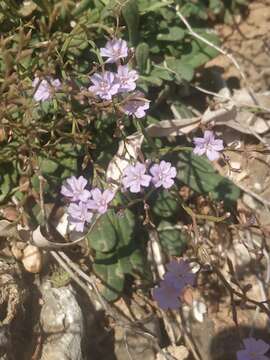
(118, 251)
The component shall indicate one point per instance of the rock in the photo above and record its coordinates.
(32, 259)
(12, 300)
(132, 345)
(178, 352)
(61, 320)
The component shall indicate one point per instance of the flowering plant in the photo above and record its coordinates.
(83, 141)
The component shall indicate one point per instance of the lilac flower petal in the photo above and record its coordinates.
(179, 274)
(199, 141)
(254, 350)
(208, 145)
(79, 215)
(75, 189)
(114, 50)
(145, 180)
(45, 88)
(135, 187)
(96, 194)
(108, 195)
(100, 200)
(242, 355)
(199, 150)
(163, 174)
(134, 177)
(209, 136)
(166, 296)
(212, 154)
(105, 85)
(218, 145)
(135, 105)
(256, 346)
(177, 267)
(126, 78)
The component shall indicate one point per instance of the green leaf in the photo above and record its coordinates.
(174, 34)
(46, 165)
(108, 270)
(81, 7)
(124, 257)
(152, 80)
(142, 56)
(217, 6)
(130, 13)
(152, 5)
(8, 180)
(127, 246)
(36, 184)
(196, 9)
(103, 237)
(199, 174)
(172, 240)
(75, 42)
(182, 69)
(165, 205)
(201, 53)
(161, 73)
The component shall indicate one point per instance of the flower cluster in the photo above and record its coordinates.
(84, 202)
(123, 81)
(175, 280)
(208, 145)
(254, 350)
(106, 84)
(135, 177)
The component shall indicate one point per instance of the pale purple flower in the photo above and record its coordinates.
(135, 177)
(208, 145)
(45, 88)
(114, 50)
(254, 350)
(135, 105)
(79, 214)
(163, 174)
(167, 295)
(100, 200)
(105, 85)
(74, 189)
(179, 274)
(126, 78)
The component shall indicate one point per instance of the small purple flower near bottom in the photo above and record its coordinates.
(134, 177)
(175, 280)
(179, 274)
(254, 350)
(79, 214)
(135, 105)
(74, 189)
(100, 200)
(44, 90)
(167, 295)
(208, 145)
(163, 174)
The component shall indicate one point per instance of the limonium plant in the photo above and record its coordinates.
(117, 84)
(87, 129)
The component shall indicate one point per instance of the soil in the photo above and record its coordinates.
(248, 40)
